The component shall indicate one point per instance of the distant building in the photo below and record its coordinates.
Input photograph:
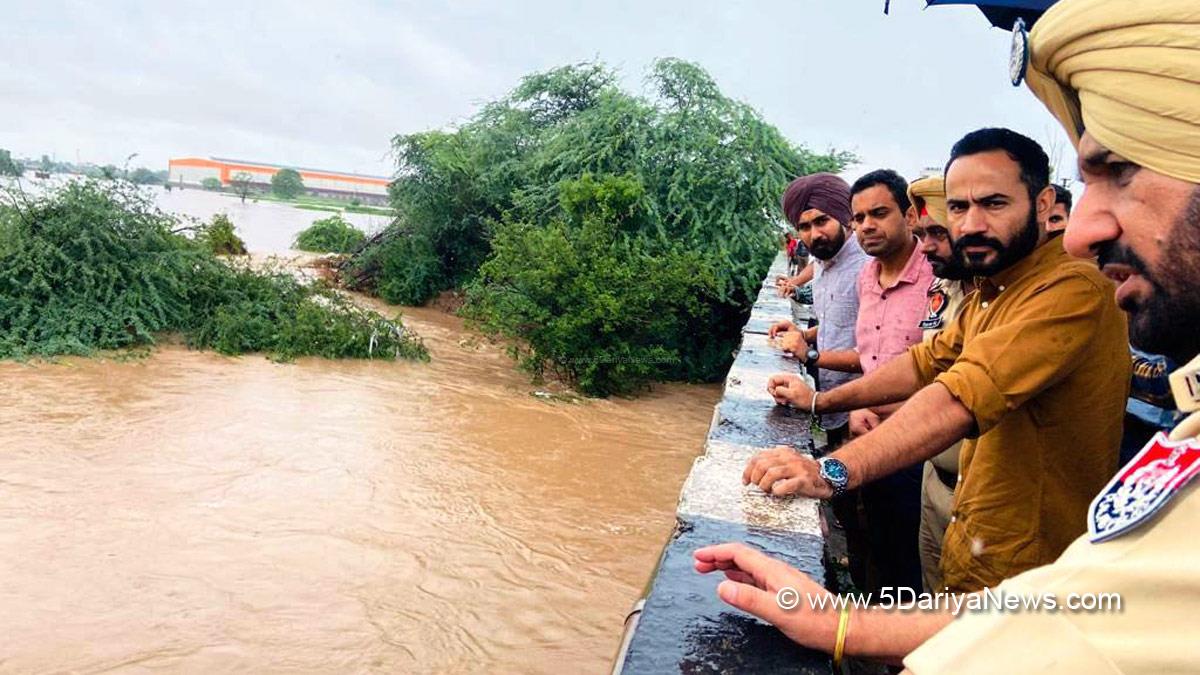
(191, 171)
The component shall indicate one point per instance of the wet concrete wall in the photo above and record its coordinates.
(683, 626)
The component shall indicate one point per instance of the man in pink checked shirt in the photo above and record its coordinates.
(892, 297)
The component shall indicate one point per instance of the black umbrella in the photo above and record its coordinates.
(1004, 13)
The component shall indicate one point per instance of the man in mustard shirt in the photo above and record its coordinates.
(1124, 80)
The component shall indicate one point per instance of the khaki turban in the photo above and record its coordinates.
(929, 192)
(1128, 73)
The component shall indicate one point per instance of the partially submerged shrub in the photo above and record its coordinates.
(330, 235)
(95, 266)
(218, 236)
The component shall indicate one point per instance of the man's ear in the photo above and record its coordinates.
(912, 216)
(1045, 204)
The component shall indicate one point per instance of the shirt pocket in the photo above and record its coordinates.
(983, 551)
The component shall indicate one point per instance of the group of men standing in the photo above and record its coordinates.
(974, 368)
(984, 479)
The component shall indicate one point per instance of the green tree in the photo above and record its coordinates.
(9, 166)
(242, 184)
(211, 183)
(287, 184)
(633, 189)
(47, 164)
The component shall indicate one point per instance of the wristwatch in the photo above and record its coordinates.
(834, 472)
(812, 355)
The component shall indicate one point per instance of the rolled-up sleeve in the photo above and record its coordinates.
(1040, 342)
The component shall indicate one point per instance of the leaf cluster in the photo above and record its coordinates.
(330, 235)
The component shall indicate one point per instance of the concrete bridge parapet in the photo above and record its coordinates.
(681, 625)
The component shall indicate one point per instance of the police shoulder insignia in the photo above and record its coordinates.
(936, 307)
(1158, 472)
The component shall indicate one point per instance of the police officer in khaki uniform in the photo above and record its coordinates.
(1124, 80)
(950, 285)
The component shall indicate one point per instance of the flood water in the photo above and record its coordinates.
(266, 227)
(188, 512)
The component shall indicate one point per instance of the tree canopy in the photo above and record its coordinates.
(616, 239)
(286, 183)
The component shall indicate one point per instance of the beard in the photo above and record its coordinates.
(950, 268)
(1168, 321)
(827, 248)
(1006, 255)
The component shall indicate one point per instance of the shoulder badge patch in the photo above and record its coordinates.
(935, 308)
(1158, 472)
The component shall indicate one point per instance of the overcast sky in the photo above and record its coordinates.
(327, 84)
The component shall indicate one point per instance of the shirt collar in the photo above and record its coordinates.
(1046, 254)
(845, 252)
(911, 273)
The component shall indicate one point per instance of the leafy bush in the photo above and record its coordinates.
(211, 183)
(330, 235)
(95, 266)
(583, 298)
(702, 172)
(218, 236)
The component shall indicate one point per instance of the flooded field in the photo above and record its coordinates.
(266, 227)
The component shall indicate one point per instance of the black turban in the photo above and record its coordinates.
(823, 191)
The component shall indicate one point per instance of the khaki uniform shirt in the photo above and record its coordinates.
(944, 299)
(1154, 570)
(1039, 355)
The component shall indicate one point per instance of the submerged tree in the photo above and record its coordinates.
(330, 235)
(242, 184)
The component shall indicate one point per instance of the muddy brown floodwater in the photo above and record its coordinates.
(191, 512)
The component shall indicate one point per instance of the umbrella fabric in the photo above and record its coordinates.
(1004, 13)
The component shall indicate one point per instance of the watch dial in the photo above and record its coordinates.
(835, 470)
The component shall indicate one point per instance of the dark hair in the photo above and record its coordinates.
(1062, 196)
(894, 182)
(1029, 156)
